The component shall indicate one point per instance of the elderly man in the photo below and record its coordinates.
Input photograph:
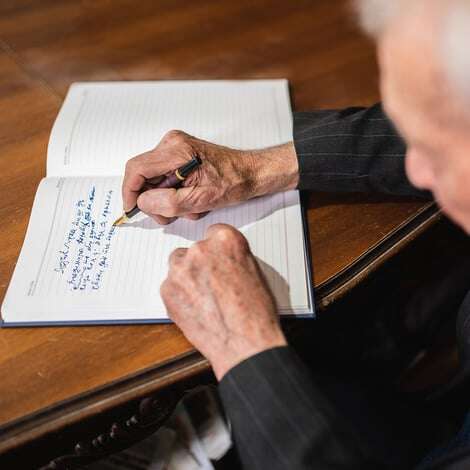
(281, 416)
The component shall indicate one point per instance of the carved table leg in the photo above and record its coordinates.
(151, 415)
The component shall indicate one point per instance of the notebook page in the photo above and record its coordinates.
(74, 266)
(101, 125)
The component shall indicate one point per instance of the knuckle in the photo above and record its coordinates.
(166, 288)
(132, 163)
(197, 250)
(225, 232)
(217, 230)
(175, 272)
(240, 238)
(171, 259)
(177, 255)
(239, 243)
(171, 207)
(174, 137)
(230, 236)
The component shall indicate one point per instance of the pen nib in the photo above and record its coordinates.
(122, 220)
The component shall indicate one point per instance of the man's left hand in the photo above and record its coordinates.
(217, 295)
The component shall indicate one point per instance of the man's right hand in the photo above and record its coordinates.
(226, 176)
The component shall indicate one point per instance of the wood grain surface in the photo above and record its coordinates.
(53, 376)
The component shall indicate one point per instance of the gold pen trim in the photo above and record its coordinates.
(178, 175)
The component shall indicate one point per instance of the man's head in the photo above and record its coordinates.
(424, 57)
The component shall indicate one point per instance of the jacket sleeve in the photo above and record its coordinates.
(281, 420)
(351, 150)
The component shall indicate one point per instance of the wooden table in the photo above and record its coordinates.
(51, 377)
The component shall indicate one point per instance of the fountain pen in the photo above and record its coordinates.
(172, 181)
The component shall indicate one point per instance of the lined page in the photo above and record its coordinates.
(75, 266)
(101, 125)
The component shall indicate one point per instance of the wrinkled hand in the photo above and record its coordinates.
(216, 293)
(226, 176)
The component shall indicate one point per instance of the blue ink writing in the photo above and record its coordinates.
(85, 253)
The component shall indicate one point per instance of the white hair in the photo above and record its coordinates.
(453, 43)
(455, 46)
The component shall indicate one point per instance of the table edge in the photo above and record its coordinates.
(143, 383)
(336, 286)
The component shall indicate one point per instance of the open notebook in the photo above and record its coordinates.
(75, 267)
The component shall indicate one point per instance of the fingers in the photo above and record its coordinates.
(163, 220)
(221, 231)
(139, 170)
(173, 150)
(131, 186)
(177, 256)
(159, 202)
(195, 216)
(174, 202)
(227, 235)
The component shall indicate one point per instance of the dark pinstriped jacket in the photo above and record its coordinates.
(280, 417)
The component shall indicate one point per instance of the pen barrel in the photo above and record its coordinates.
(171, 181)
